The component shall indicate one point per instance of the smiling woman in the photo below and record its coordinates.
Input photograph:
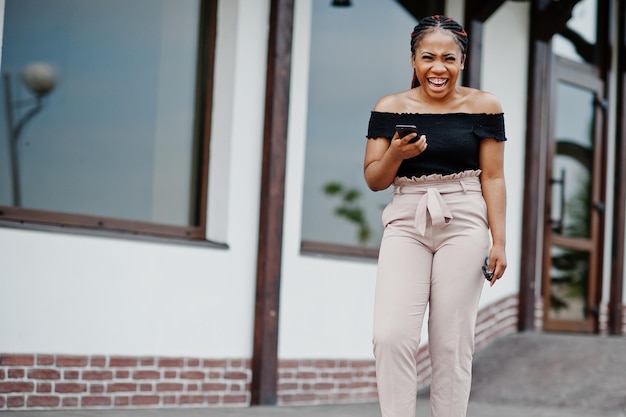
(117, 141)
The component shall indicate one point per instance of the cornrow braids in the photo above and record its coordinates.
(430, 23)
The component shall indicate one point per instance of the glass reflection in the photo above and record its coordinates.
(568, 284)
(577, 39)
(572, 164)
(351, 66)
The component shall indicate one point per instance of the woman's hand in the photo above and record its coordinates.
(404, 149)
(497, 263)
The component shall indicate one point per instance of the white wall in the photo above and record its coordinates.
(504, 73)
(64, 293)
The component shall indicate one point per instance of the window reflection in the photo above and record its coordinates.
(577, 40)
(116, 138)
(351, 66)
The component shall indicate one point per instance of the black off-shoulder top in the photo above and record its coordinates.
(453, 139)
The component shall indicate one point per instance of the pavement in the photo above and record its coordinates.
(521, 375)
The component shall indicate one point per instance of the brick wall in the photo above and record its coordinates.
(45, 381)
(59, 381)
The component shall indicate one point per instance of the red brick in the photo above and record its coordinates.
(235, 399)
(17, 360)
(16, 373)
(147, 361)
(71, 375)
(45, 360)
(2, 374)
(191, 399)
(67, 387)
(214, 363)
(192, 387)
(120, 361)
(236, 375)
(73, 361)
(43, 401)
(169, 399)
(92, 401)
(69, 402)
(15, 402)
(145, 387)
(122, 401)
(98, 361)
(8, 387)
(193, 362)
(44, 374)
(122, 374)
(192, 375)
(170, 374)
(213, 399)
(169, 386)
(44, 387)
(122, 387)
(2, 402)
(306, 375)
(146, 375)
(145, 399)
(97, 375)
(96, 389)
(171, 362)
(214, 386)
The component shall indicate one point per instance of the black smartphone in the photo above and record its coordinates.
(488, 275)
(404, 130)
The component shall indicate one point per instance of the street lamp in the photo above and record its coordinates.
(40, 79)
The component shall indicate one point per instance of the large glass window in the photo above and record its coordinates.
(114, 137)
(358, 54)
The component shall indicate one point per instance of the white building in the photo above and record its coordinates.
(183, 220)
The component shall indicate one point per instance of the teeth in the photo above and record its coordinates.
(438, 81)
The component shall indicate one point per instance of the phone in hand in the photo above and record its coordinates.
(488, 275)
(404, 130)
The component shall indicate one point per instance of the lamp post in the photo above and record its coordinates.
(40, 79)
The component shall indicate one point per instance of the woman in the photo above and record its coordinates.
(449, 191)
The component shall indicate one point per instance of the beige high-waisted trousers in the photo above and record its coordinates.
(433, 246)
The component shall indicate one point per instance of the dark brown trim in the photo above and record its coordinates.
(206, 71)
(265, 354)
(476, 13)
(534, 169)
(619, 203)
(339, 251)
(423, 8)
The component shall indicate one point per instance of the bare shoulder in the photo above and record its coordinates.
(392, 103)
(480, 101)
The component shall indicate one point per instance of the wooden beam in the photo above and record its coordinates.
(534, 168)
(616, 309)
(265, 355)
(420, 9)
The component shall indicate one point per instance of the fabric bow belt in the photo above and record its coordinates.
(432, 203)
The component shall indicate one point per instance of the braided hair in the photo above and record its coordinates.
(428, 24)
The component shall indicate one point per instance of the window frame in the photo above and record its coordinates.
(19, 217)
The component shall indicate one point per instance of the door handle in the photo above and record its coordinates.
(599, 206)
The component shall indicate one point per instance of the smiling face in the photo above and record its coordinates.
(438, 61)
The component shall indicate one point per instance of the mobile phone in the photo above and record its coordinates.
(488, 275)
(404, 130)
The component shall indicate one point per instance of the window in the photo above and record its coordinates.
(352, 64)
(119, 141)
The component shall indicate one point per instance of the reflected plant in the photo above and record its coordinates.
(349, 209)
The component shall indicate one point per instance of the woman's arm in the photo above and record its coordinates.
(494, 191)
(383, 156)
